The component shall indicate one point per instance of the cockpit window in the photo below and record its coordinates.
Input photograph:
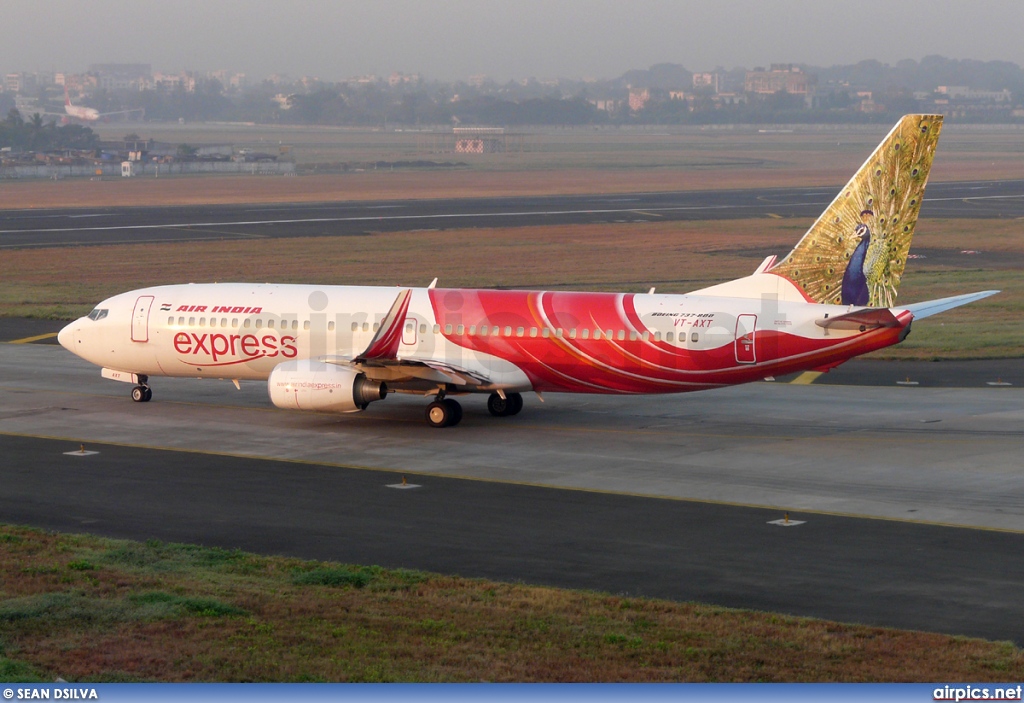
(98, 314)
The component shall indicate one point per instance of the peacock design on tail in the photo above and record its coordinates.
(855, 253)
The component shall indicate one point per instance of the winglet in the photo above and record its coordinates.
(766, 264)
(389, 335)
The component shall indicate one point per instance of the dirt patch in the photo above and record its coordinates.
(400, 185)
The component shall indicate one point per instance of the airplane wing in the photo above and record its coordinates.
(380, 361)
(124, 112)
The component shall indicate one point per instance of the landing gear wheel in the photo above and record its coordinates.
(444, 413)
(511, 404)
(142, 394)
(516, 402)
(456, 409)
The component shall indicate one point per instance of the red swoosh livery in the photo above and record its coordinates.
(341, 348)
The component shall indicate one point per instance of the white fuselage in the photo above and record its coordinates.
(515, 339)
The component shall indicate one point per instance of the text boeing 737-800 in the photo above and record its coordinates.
(340, 348)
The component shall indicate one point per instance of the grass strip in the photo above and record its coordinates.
(160, 611)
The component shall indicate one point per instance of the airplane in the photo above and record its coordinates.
(89, 114)
(342, 348)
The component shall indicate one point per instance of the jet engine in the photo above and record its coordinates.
(313, 385)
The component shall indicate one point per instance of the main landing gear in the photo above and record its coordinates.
(444, 412)
(447, 412)
(510, 405)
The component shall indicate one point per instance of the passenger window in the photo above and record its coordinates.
(355, 326)
(646, 336)
(234, 322)
(181, 321)
(223, 322)
(460, 330)
(608, 334)
(202, 322)
(546, 333)
(585, 334)
(376, 326)
(520, 331)
(270, 324)
(622, 335)
(259, 323)
(533, 332)
(669, 336)
(472, 330)
(632, 336)
(694, 337)
(423, 329)
(295, 325)
(437, 329)
(170, 321)
(246, 324)
(483, 330)
(572, 333)
(508, 331)
(330, 326)
(447, 329)
(657, 336)
(305, 325)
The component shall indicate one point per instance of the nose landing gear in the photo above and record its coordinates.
(142, 394)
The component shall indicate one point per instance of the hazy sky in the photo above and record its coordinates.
(450, 39)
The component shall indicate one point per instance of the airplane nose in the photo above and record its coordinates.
(66, 337)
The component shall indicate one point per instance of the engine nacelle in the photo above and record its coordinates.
(313, 385)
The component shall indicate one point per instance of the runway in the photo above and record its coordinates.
(912, 498)
(93, 226)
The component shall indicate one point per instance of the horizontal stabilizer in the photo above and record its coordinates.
(934, 307)
(867, 318)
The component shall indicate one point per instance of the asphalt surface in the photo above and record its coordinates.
(869, 571)
(85, 226)
(913, 498)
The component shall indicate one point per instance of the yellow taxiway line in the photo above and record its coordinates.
(29, 340)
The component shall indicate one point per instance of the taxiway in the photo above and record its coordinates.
(92, 226)
(912, 499)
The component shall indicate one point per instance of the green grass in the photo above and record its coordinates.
(160, 611)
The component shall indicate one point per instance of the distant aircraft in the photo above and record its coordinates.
(90, 114)
(340, 348)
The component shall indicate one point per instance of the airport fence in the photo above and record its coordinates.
(143, 170)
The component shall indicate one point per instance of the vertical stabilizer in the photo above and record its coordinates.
(855, 253)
